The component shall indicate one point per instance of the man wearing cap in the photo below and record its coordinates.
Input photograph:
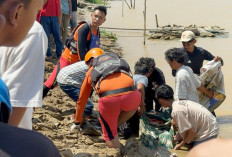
(196, 54)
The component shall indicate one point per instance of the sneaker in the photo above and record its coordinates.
(125, 130)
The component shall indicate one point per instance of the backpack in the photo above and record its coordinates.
(70, 42)
(107, 64)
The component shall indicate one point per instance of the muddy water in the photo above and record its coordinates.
(207, 12)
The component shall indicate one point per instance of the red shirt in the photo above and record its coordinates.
(51, 8)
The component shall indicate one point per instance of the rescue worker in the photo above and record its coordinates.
(85, 37)
(119, 99)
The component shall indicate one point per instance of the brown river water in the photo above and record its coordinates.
(180, 12)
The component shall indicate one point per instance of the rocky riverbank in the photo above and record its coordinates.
(55, 118)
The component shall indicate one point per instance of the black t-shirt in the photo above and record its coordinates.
(197, 58)
(74, 5)
(17, 142)
(156, 78)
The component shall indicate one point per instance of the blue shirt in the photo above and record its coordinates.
(65, 6)
(4, 100)
(140, 79)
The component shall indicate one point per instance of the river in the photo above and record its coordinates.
(180, 12)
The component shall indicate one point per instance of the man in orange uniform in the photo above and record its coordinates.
(118, 101)
(85, 37)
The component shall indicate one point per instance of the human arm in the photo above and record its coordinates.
(205, 91)
(208, 56)
(180, 88)
(158, 76)
(217, 58)
(70, 9)
(189, 135)
(142, 108)
(85, 91)
(82, 39)
(181, 118)
(24, 68)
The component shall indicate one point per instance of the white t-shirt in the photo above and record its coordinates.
(188, 114)
(186, 84)
(22, 68)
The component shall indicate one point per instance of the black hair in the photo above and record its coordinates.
(148, 61)
(176, 54)
(101, 8)
(141, 68)
(164, 91)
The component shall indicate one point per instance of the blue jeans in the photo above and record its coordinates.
(51, 26)
(73, 92)
(199, 142)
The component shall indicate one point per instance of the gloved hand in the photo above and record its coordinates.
(75, 126)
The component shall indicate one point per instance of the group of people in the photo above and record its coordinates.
(55, 17)
(82, 67)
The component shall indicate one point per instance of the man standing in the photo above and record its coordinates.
(50, 19)
(186, 83)
(194, 122)
(14, 61)
(66, 6)
(73, 20)
(196, 55)
(16, 18)
(85, 37)
(17, 69)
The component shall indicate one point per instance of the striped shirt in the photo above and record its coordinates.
(73, 74)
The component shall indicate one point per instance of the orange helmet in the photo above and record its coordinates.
(95, 52)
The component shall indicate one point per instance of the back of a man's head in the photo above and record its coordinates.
(18, 20)
(164, 91)
(149, 61)
(176, 54)
(141, 68)
(102, 9)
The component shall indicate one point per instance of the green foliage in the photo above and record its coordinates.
(96, 1)
(109, 34)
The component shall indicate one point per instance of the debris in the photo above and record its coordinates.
(169, 32)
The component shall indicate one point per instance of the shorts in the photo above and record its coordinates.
(110, 108)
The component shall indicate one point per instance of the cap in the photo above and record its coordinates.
(187, 36)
